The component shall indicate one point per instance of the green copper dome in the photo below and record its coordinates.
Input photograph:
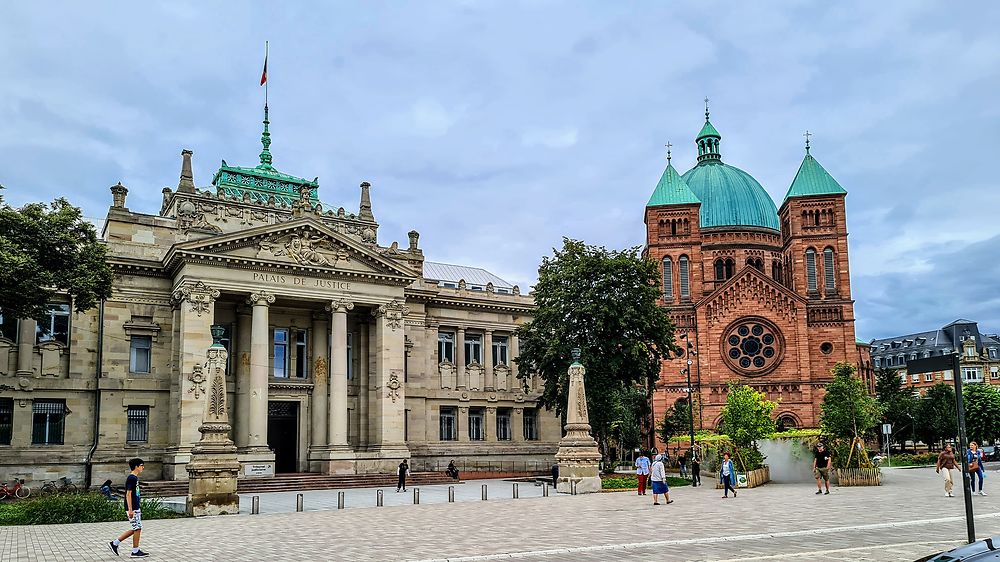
(672, 190)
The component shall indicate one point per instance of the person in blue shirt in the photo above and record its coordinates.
(974, 456)
(727, 475)
(132, 495)
(642, 472)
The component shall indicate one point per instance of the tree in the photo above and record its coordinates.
(937, 414)
(898, 403)
(45, 250)
(603, 302)
(848, 412)
(676, 421)
(746, 418)
(628, 405)
(982, 412)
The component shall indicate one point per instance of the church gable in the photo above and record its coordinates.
(751, 288)
(305, 244)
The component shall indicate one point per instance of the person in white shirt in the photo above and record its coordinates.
(658, 475)
(642, 472)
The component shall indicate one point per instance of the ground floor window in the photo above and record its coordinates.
(138, 424)
(477, 424)
(48, 417)
(6, 420)
(503, 424)
(530, 424)
(449, 431)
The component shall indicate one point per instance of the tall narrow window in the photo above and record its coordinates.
(449, 431)
(530, 424)
(503, 424)
(811, 270)
(54, 325)
(829, 275)
(720, 270)
(6, 420)
(48, 422)
(301, 354)
(500, 356)
(446, 347)
(668, 278)
(682, 262)
(473, 349)
(477, 424)
(281, 352)
(140, 349)
(730, 268)
(8, 327)
(138, 424)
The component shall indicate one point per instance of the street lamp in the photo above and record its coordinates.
(687, 371)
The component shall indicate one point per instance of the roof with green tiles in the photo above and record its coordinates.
(672, 190)
(813, 179)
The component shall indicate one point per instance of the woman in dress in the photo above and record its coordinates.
(658, 476)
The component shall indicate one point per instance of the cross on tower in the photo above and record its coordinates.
(669, 146)
(807, 134)
(706, 108)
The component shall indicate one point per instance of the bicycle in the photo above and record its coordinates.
(65, 486)
(19, 491)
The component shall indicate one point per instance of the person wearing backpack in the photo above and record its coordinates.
(974, 456)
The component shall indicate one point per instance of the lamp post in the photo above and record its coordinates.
(687, 371)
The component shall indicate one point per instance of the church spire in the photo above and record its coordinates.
(708, 141)
(265, 139)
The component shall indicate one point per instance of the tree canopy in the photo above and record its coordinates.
(937, 414)
(47, 250)
(848, 411)
(982, 412)
(603, 302)
(746, 418)
(676, 421)
(898, 403)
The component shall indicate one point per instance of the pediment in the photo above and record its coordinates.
(750, 287)
(302, 244)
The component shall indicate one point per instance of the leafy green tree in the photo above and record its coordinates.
(676, 421)
(45, 250)
(899, 405)
(746, 418)
(982, 412)
(848, 411)
(937, 414)
(603, 302)
(628, 405)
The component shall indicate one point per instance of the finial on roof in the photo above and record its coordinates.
(706, 109)
(807, 134)
(265, 139)
(669, 146)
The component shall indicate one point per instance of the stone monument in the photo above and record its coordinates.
(214, 467)
(578, 456)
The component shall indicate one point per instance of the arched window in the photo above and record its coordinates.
(829, 274)
(673, 227)
(720, 269)
(685, 281)
(730, 268)
(811, 270)
(776, 270)
(668, 279)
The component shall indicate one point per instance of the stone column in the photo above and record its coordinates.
(241, 430)
(489, 383)
(462, 423)
(260, 352)
(461, 380)
(491, 424)
(388, 411)
(517, 424)
(338, 373)
(363, 384)
(321, 368)
(25, 346)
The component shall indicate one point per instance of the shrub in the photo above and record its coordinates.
(75, 508)
(631, 482)
(913, 460)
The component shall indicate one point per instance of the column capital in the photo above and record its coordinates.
(340, 305)
(198, 294)
(460, 329)
(393, 312)
(488, 333)
(261, 298)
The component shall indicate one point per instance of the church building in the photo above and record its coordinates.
(759, 294)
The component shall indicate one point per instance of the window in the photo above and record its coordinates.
(668, 278)
(350, 355)
(993, 350)
(503, 424)
(473, 349)
(446, 347)
(448, 428)
(140, 349)
(500, 351)
(994, 374)
(878, 362)
(972, 374)
(970, 351)
(829, 275)
(280, 352)
(48, 417)
(720, 270)
(55, 325)
(302, 354)
(530, 424)
(477, 424)
(776, 271)
(6, 420)
(138, 424)
(948, 376)
(8, 327)
(811, 270)
(915, 378)
(685, 278)
(928, 377)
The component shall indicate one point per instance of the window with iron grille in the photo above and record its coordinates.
(138, 424)
(48, 422)
(477, 423)
(6, 420)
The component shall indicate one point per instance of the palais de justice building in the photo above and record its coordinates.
(345, 354)
(762, 293)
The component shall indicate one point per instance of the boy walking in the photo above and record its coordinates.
(132, 495)
(402, 472)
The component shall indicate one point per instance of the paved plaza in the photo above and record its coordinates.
(906, 518)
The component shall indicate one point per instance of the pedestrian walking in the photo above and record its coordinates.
(642, 472)
(822, 461)
(974, 456)
(132, 496)
(695, 470)
(727, 475)
(658, 476)
(683, 463)
(402, 472)
(555, 474)
(945, 465)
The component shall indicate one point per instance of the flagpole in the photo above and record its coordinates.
(265, 68)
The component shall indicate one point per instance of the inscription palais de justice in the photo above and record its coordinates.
(297, 281)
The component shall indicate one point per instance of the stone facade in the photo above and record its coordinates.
(334, 347)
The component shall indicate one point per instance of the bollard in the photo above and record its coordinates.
(484, 492)
(451, 494)
(514, 492)
(340, 500)
(255, 505)
(573, 488)
(298, 502)
(378, 498)
(416, 496)
(545, 490)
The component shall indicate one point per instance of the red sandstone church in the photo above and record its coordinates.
(763, 294)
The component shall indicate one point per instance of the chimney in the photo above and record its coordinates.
(366, 203)
(414, 238)
(118, 193)
(186, 185)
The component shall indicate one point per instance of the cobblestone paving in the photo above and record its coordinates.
(906, 518)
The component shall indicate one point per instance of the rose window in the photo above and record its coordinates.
(752, 346)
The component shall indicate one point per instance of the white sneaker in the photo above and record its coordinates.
(982, 493)
(947, 494)
(951, 495)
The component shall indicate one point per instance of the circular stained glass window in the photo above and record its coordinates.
(752, 346)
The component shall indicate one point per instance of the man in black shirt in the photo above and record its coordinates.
(822, 461)
(132, 495)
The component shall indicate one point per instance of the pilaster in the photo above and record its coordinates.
(461, 377)
(241, 429)
(321, 367)
(256, 458)
(490, 382)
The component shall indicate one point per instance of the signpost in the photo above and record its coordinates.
(887, 431)
(944, 363)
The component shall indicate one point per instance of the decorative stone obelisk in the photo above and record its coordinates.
(214, 467)
(578, 456)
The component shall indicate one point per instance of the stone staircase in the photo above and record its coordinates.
(300, 481)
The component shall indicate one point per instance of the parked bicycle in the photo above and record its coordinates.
(19, 490)
(64, 486)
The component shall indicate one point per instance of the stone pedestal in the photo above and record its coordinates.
(213, 469)
(578, 456)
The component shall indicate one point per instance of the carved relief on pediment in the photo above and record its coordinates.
(303, 249)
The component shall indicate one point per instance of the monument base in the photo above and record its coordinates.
(212, 482)
(584, 484)
(256, 463)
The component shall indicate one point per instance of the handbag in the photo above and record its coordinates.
(974, 465)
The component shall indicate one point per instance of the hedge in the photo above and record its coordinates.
(75, 508)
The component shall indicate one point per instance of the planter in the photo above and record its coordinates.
(752, 479)
(858, 476)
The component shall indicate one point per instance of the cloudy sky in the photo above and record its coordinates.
(496, 128)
